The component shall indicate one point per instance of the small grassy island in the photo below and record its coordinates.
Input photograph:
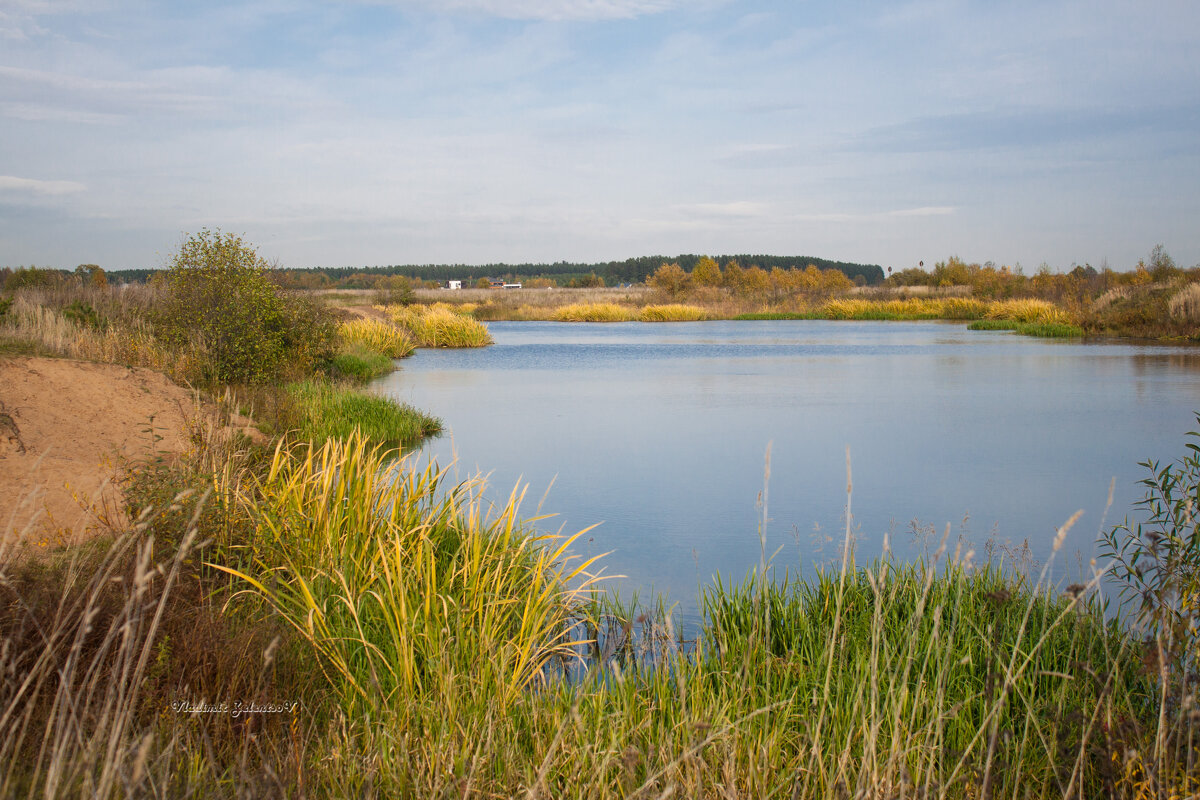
(298, 610)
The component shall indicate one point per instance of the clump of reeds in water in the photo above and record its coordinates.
(1028, 310)
(377, 336)
(593, 312)
(672, 312)
(440, 325)
(327, 410)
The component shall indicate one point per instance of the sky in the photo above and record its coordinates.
(477, 131)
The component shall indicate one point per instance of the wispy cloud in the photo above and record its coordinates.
(923, 211)
(555, 10)
(738, 208)
(32, 186)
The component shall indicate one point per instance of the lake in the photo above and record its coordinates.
(658, 431)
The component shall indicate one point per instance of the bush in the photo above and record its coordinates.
(670, 278)
(1157, 560)
(219, 292)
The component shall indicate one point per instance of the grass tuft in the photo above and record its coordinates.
(673, 312)
(330, 411)
(361, 364)
(440, 325)
(593, 312)
(375, 335)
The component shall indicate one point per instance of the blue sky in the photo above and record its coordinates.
(418, 131)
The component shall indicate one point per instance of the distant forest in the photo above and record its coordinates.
(613, 273)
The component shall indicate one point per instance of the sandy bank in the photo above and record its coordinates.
(65, 429)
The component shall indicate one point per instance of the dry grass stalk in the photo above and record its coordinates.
(1185, 305)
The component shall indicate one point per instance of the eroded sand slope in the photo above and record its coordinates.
(65, 426)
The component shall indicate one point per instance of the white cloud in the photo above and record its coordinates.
(10, 183)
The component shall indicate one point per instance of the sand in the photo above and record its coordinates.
(67, 428)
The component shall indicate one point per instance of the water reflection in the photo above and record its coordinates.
(659, 431)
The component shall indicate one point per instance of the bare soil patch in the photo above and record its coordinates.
(66, 427)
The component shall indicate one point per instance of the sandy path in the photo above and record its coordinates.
(65, 427)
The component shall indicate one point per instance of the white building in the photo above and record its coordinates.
(453, 284)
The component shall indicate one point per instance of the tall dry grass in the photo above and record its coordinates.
(912, 308)
(1185, 305)
(402, 585)
(1029, 310)
(673, 312)
(593, 312)
(376, 335)
(128, 341)
(440, 325)
(70, 695)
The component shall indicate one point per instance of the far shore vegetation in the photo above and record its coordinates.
(319, 615)
(1154, 299)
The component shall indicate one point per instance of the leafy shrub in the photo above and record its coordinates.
(33, 277)
(394, 290)
(1157, 560)
(84, 315)
(219, 292)
(671, 279)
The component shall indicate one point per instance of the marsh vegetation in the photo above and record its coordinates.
(324, 616)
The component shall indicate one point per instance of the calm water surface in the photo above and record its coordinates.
(658, 431)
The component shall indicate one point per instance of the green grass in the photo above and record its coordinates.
(993, 325)
(1046, 329)
(331, 411)
(361, 364)
(935, 663)
(1054, 330)
(769, 315)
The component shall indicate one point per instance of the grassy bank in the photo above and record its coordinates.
(424, 634)
(290, 360)
(330, 411)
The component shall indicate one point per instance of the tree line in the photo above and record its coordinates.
(562, 273)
